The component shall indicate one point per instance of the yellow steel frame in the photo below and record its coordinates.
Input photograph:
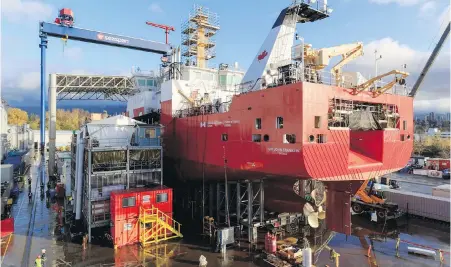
(378, 91)
(154, 226)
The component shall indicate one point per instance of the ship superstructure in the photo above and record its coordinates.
(287, 120)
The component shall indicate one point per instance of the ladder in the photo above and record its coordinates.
(156, 226)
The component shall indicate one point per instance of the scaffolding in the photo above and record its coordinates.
(198, 44)
(114, 164)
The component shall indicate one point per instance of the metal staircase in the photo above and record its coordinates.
(156, 226)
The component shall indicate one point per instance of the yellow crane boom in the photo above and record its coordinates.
(319, 58)
(399, 77)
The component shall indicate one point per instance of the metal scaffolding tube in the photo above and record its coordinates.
(52, 123)
(89, 194)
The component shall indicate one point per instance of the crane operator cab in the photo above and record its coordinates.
(65, 17)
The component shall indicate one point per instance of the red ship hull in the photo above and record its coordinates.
(341, 157)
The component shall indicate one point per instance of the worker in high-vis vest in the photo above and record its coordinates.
(38, 261)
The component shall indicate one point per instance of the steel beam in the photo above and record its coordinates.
(52, 125)
(89, 194)
(97, 37)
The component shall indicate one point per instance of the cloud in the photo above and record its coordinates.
(26, 10)
(28, 81)
(437, 105)
(434, 93)
(399, 2)
(394, 55)
(155, 8)
(428, 9)
(443, 18)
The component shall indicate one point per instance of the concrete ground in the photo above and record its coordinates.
(417, 183)
(38, 226)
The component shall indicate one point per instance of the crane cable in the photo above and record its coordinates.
(64, 39)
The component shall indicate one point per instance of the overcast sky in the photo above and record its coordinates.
(403, 31)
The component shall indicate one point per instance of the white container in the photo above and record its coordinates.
(307, 257)
(423, 205)
(6, 173)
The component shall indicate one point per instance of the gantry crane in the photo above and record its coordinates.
(166, 28)
(318, 59)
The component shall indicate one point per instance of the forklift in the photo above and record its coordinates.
(369, 200)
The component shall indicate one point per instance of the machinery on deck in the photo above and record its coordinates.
(65, 17)
(367, 199)
(399, 77)
(318, 59)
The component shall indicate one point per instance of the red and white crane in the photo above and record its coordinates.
(166, 28)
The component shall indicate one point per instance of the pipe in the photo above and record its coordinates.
(52, 121)
(79, 174)
(43, 46)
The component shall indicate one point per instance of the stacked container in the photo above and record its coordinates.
(125, 207)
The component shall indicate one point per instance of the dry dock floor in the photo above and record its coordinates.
(38, 226)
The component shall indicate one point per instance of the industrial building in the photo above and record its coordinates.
(63, 138)
(109, 155)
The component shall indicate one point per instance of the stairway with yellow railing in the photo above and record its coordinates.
(156, 226)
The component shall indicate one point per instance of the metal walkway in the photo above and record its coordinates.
(94, 87)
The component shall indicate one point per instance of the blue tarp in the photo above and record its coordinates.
(15, 153)
(16, 161)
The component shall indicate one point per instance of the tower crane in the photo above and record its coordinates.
(318, 59)
(166, 28)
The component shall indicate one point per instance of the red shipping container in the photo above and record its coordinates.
(124, 205)
(161, 198)
(125, 232)
(438, 164)
(7, 226)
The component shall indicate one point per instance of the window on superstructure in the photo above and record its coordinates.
(222, 79)
(404, 125)
(256, 138)
(403, 137)
(266, 138)
(317, 122)
(279, 122)
(321, 138)
(150, 82)
(258, 123)
(141, 82)
(224, 137)
(289, 138)
(311, 138)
